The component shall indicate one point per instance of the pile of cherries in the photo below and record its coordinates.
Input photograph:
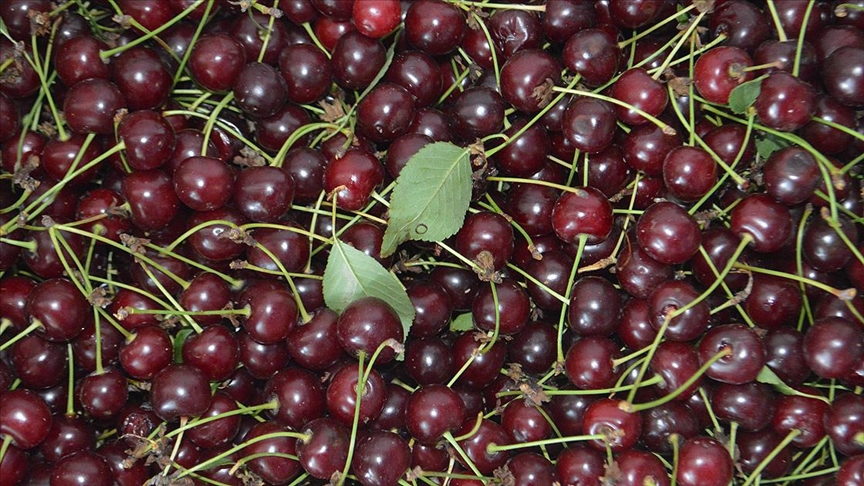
(659, 279)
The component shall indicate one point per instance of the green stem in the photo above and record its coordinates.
(153, 33)
(781, 34)
(655, 26)
(796, 66)
(493, 448)
(215, 459)
(726, 351)
(770, 457)
(21, 335)
(667, 129)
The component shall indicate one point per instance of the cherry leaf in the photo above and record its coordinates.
(767, 376)
(744, 95)
(351, 274)
(462, 323)
(431, 196)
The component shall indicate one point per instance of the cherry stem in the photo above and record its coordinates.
(599, 391)
(45, 81)
(781, 34)
(583, 240)
(208, 127)
(635, 408)
(746, 239)
(782, 445)
(27, 245)
(361, 388)
(796, 66)
(271, 405)
(493, 448)
(845, 295)
(36, 324)
(153, 33)
(500, 6)
(837, 126)
(667, 129)
(474, 429)
(686, 35)
(304, 314)
(5, 446)
(722, 180)
(244, 311)
(268, 33)
(308, 28)
(448, 436)
(631, 356)
(517, 180)
(674, 439)
(647, 360)
(215, 459)
(656, 26)
(70, 397)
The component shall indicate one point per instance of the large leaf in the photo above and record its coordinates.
(351, 274)
(431, 196)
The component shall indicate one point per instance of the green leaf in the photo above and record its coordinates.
(351, 274)
(744, 95)
(462, 323)
(431, 196)
(767, 376)
(769, 144)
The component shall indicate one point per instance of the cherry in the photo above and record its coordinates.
(272, 466)
(640, 467)
(356, 60)
(180, 390)
(433, 124)
(527, 73)
(329, 30)
(125, 474)
(434, 27)
(326, 449)
(299, 395)
(385, 112)
(367, 323)
(418, 73)
(621, 429)
(59, 307)
(661, 422)
(553, 272)
(38, 363)
(784, 355)
(83, 467)
(381, 457)
(750, 405)
(718, 71)
(14, 465)
(487, 232)
(315, 345)
(842, 77)
(263, 194)
(195, 180)
(590, 124)
(689, 173)
(832, 346)
(727, 140)
(634, 326)
(591, 300)
(512, 310)
(745, 360)
(103, 395)
(754, 448)
(783, 54)
(151, 197)
(477, 112)
(90, 106)
(355, 174)
(580, 465)
(342, 395)
(826, 139)
(844, 423)
(785, 102)
(247, 29)
(24, 417)
(290, 248)
(484, 367)
(823, 247)
(743, 23)
(259, 90)
(216, 61)
(584, 212)
(767, 222)
(589, 363)
(773, 301)
(670, 296)
(428, 360)
(142, 78)
(479, 446)
(637, 88)
(431, 411)
(526, 154)
(704, 461)
(262, 360)
(273, 314)
(392, 414)
(214, 351)
(565, 18)
(58, 157)
(105, 202)
(805, 414)
(851, 471)
(376, 18)
(645, 148)
(675, 362)
(515, 30)
(639, 274)
(667, 233)
(531, 468)
(13, 299)
(22, 81)
(274, 131)
(791, 175)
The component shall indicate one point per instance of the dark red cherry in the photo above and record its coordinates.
(843, 76)
(660, 422)
(689, 173)
(84, 467)
(259, 90)
(326, 449)
(381, 457)
(754, 448)
(670, 296)
(743, 24)
(526, 78)
(785, 102)
(590, 124)
(306, 71)
(478, 446)
(621, 429)
(180, 390)
(791, 175)
(593, 54)
(435, 27)
(844, 423)
(805, 414)
(487, 232)
(511, 313)
(366, 324)
(60, 308)
(832, 346)
(580, 464)
(773, 301)
(151, 197)
(589, 363)
(766, 221)
(431, 411)
(357, 173)
(718, 71)
(216, 61)
(142, 78)
(639, 274)
(637, 88)
(385, 112)
(103, 395)
(583, 212)
(676, 362)
(645, 148)
(484, 367)
(263, 194)
(24, 418)
(90, 106)
(668, 234)
(272, 465)
(203, 183)
(704, 461)
(376, 19)
(299, 395)
(750, 405)
(356, 60)
(315, 345)
(746, 353)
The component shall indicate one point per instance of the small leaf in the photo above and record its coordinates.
(769, 144)
(351, 274)
(744, 95)
(179, 339)
(431, 196)
(767, 376)
(462, 323)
